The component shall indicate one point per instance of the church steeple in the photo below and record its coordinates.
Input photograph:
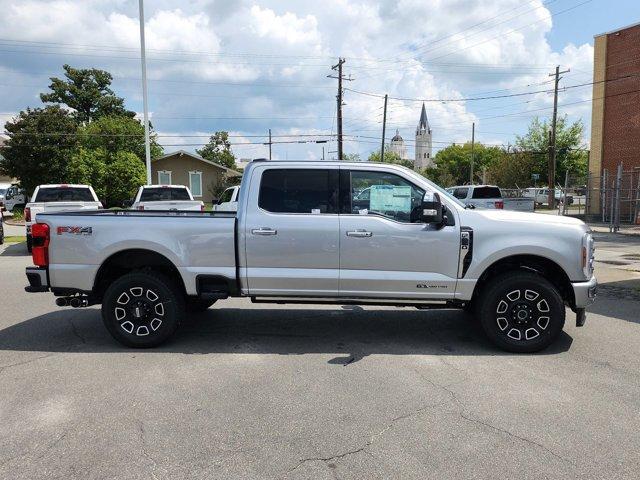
(423, 124)
(423, 157)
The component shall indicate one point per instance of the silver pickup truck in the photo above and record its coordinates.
(304, 232)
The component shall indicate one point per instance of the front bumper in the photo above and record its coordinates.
(38, 280)
(584, 292)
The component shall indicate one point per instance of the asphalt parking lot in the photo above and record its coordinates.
(252, 391)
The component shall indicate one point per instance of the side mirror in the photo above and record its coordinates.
(432, 208)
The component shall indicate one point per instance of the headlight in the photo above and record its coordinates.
(587, 257)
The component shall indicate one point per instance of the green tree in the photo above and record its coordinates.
(118, 133)
(512, 170)
(41, 140)
(87, 91)
(352, 157)
(89, 167)
(218, 150)
(569, 155)
(390, 157)
(126, 173)
(453, 163)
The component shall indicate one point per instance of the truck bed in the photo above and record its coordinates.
(197, 243)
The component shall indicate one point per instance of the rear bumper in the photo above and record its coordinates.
(585, 292)
(38, 280)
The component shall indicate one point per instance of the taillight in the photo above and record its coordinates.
(202, 207)
(27, 214)
(500, 204)
(40, 239)
(140, 207)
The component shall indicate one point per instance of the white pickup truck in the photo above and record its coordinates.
(166, 197)
(304, 233)
(228, 201)
(489, 196)
(58, 198)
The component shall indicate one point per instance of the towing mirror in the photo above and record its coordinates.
(432, 208)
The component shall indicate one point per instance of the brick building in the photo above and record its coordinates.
(615, 118)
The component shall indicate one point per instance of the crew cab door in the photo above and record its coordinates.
(385, 250)
(291, 231)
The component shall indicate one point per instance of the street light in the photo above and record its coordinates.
(145, 106)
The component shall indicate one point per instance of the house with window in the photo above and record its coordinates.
(186, 168)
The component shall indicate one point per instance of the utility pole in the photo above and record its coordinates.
(473, 141)
(339, 100)
(145, 103)
(270, 143)
(384, 127)
(552, 138)
(323, 153)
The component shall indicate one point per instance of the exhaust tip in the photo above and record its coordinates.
(62, 301)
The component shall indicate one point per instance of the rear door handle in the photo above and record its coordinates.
(359, 233)
(264, 231)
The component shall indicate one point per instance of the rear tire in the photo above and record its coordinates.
(29, 243)
(521, 312)
(142, 309)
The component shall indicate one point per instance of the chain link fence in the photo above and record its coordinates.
(612, 198)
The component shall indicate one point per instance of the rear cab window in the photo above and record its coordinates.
(486, 192)
(310, 191)
(160, 194)
(64, 194)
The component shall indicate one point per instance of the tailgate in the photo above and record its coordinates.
(53, 207)
(182, 205)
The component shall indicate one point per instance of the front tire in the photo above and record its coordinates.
(521, 312)
(142, 309)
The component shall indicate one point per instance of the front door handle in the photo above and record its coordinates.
(359, 233)
(264, 231)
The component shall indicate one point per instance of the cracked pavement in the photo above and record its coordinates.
(297, 392)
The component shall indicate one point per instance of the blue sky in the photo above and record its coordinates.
(247, 66)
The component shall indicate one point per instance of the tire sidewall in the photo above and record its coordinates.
(169, 296)
(498, 290)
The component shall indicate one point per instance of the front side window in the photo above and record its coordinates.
(386, 194)
(226, 195)
(195, 183)
(460, 193)
(311, 191)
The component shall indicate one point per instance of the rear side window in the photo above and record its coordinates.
(460, 193)
(299, 191)
(163, 193)
(486, 192)
(226, 195)
(64, 194)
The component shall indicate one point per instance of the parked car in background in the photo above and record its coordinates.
(541, 195)
(14, 197)
(3, 193)
(166, 197)
(489, 196)
(228, 201)
(58, 198)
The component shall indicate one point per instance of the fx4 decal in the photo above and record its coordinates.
(74, 230)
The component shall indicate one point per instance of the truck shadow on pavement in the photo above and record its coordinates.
(350, 334)
(15, 250)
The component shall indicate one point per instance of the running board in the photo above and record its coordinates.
(359, 301)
